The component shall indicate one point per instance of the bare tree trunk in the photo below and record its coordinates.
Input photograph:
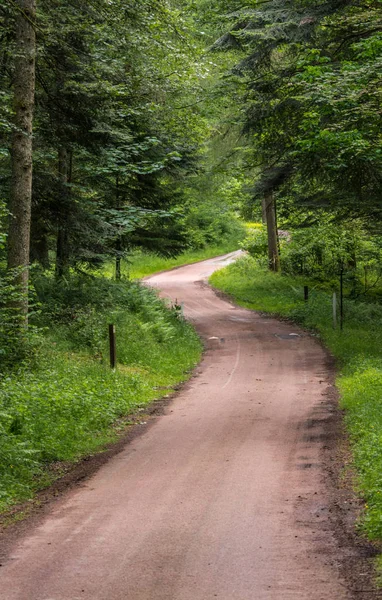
(118, 243)
(21, 194)
(273, 250)
(62, 249)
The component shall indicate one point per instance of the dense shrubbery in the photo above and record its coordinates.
(79, 312)
(322, 251)
(63, 405)
(16, 343)
(209, 224)
(256, 242)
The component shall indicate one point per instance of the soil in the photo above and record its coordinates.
(236, 488)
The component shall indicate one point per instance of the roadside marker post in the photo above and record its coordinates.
(113, 346)
(342, 300)
(334, 310)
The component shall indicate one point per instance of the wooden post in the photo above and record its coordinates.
(113, 347)
(342, 299)
(334, 310)
(306, 293)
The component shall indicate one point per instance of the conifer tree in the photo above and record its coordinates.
(21, 152)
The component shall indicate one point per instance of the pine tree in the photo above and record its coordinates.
(21, 152)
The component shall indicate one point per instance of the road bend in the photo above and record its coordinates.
(222, 497)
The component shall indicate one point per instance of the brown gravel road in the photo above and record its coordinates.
(224, 496)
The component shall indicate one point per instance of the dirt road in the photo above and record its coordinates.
(222, 497)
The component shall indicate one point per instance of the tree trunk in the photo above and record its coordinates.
(273, 250)
(21, 152)
(118, 242)
(62, 249)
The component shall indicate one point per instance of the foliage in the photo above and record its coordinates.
(322, 251)
(156, 124)
(256, 242)
(358, 349)
(16, 343)
(112, 140)
(69, 404)
(119, 139)
(79, 310)
(312, 74)
(210, 224)
(141, 264)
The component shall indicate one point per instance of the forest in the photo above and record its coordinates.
(137, 135)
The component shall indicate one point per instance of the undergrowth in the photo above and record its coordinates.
(67, 403)
(358, 349)
(141, 264)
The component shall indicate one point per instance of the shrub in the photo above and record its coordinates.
(65, 406)
(256, 242)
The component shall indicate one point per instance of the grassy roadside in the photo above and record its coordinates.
(67, 403)
(142, 264)
(358, 350)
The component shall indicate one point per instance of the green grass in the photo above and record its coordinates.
(70, 403)
(67, 403)
(142, 264)
(358, 349)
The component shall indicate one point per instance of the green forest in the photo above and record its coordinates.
(139, 135)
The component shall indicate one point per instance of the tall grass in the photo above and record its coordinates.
(358, 349)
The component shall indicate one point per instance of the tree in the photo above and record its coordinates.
(21, 152)
(313, 78)
(114, 132)
(311, 107)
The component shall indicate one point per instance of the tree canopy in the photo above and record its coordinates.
(145, 111)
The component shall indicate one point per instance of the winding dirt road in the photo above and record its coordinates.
(222, 497)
